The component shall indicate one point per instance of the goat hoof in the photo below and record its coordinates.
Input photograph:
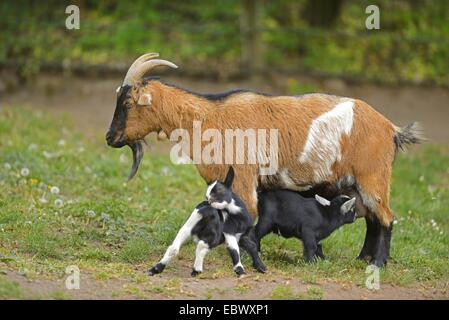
(379, 262)
(195, 273)
(239, 271)
(260, 268)
(364, 257)
(156, 269)
(311, 260)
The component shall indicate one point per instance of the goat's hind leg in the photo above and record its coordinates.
(372, 233)
(234, 252)
(375, 190)
(247, 242)
(173, 250)
(263, 227)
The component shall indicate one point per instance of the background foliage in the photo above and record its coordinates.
(320, 37)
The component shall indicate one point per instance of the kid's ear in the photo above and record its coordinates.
(347, 206)
(322, 201)
(145, 99)
(229, 177)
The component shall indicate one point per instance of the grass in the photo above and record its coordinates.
(288, 292)
(9, 289)
(117, 230)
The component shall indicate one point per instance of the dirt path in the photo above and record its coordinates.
(183, 286)
(91, 102)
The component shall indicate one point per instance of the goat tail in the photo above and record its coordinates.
(410, 134)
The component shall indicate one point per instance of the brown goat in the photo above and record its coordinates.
(323, 139)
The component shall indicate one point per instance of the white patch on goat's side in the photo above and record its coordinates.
(209, 189)
(322, 148)
(322, 201)
(118, 89)
(183, 235)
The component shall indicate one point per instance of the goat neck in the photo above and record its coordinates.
(180, 108)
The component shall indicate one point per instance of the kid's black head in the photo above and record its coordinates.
(342, 206)
(219, 194)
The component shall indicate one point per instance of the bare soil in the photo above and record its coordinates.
(248, 287)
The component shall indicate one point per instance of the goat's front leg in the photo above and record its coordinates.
(310, 246)
(202, 248)
(319, 252)
(234, 252)
(173, 250)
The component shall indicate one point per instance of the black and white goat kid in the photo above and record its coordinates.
(222, 218)
(310, 219)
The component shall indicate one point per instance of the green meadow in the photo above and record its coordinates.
(64, 201)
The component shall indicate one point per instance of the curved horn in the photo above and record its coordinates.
(134, 66)
(143, 68)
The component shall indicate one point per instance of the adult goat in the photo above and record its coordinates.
(322, 139)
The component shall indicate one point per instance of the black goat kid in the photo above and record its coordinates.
(310, 219)
(222, 218)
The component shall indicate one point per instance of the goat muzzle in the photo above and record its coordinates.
(114, 141)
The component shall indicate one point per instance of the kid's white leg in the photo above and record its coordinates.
(202, 248)
(182, 236)
(234, 252)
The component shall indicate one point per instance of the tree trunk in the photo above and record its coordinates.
(322, 13)
(252, 55)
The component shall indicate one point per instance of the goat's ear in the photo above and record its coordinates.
(229, 177)
(145, 99)
(347, 206)
(322, 201)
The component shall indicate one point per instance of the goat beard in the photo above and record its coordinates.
(137, 150)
